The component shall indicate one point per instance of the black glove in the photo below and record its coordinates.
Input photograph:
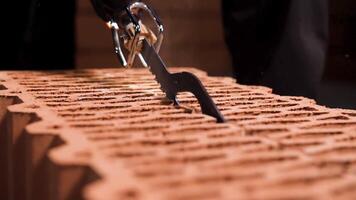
(109, 9)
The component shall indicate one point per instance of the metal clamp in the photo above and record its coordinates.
(132, 34)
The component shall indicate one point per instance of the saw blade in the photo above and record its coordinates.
(171, 84)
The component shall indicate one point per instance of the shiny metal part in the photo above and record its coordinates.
(132, 36)
(116, 39)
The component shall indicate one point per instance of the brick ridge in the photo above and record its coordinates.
(72, 144)
(278, 128)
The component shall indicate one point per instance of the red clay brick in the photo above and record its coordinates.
(109, 134)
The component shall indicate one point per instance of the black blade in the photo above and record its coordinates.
(171, 84)
(158, 68)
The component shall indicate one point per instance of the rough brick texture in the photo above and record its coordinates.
(109, 134)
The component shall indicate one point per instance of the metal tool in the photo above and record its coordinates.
(143, 43)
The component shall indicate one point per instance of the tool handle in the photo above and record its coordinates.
(109, 9)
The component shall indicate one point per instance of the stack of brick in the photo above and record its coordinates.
(109, 134)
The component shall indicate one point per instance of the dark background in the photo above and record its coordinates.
(193, 38)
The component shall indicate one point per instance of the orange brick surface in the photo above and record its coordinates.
(109, 134)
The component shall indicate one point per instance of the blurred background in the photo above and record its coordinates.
(194, 37)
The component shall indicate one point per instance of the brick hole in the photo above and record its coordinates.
(263, 161)
(173, 112)
(130, 154)
(167, 142)
(39, 90)
(249, 93)
(350, 114)
(51, 94)
(346, 138)
(154, 103)
(40, 87)
(280, 122)
(226, 92)
(54, 127)
(340, 151)
(83, 99)
(196, 194)
(2, 87)
(311, 178)
(306, 108)
(53, 99)
(143, 99)
(142, 96)
(107, 137)
(152, 163)
(99, 88)
(157, 172)
(64, 79)
(217, 145)
(335, 118)
(299, 144)
(15, 92)
(219, 96)
(297, 98)
(196, 158)
(85, 82)
(221, 135)
(239, 119)
(92, 125)
(267, 106)
(127, 102)
(166, 118)
(316, 134)
(150, 143)
(106, 118)
(225, 178)
(264, 131)
(227, 103)
(202, 128)
(252, 113)
(128, 194)
(34, 82)
(70, 92)
(58, 100)
(250, 98)
(327, 125)
(197, 122)
(273, 101)
(123, 129)
(75, 115)
(62, 104)
(52, 86)
(94, 108)
(223, 107)
(212, 182)
(295, 115)
(32, 106)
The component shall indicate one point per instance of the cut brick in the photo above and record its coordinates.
(109, 134)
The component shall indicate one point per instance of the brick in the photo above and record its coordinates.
(109, 134)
